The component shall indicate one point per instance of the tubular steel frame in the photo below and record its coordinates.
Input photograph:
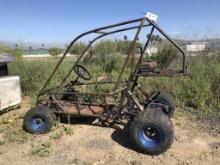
(131, 83)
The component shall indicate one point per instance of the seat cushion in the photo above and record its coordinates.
(149, 65)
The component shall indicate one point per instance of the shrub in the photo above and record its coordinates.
(105, 47)
(113, 63)
(4, 48)
(55, 51)
(123, 46)
(103, 51)
(165, 56)
(17, 52)
(78, 48)
(200, 88)
(34, 73)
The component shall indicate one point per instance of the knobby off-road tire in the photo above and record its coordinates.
(165, 99)
(152, 132)
(38, 120)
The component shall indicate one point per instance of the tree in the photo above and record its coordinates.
(125, 37)
(42, 45)
(16, 45)
(165, 55)
(55, 51)
(155, 39)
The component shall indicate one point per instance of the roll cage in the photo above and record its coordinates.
(130, 84)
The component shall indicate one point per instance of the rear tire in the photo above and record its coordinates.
(152, 132)
(38, 120)
(165, 101)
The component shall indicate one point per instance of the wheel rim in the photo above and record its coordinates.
(150, 136)
(37, 123)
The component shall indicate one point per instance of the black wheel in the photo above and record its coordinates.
(38, 120)
(152, 132)
(164, 101)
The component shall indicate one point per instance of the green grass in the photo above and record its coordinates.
(43, 150)
(56, 135)
(33, 73)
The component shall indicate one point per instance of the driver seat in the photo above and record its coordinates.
(149, 66)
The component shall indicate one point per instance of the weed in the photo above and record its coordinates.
(11, 127)
(165, 56)
(46, 144)
(68, 130)
(43, 150)
(2, 142)
(56, 135)
(78, 48)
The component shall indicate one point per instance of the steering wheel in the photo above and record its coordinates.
(82, 72)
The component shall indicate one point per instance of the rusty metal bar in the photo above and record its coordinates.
(77, 115)
(94, 94)
(141, 59)
(144, 49)
(169, 39)
(97, 30)
(130, 52)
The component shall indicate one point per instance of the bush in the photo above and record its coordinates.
(17, 52)
(123, 46)
(199, 89)
(105, 47)
(78, 48)
(113, 63)
(4, 48)
(106, 56)
(34, 73)
(103, 51)
(165, 56)
(54, 51)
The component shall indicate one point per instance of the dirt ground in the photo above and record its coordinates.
(83, 143)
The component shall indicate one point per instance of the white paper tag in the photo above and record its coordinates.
(151, 16)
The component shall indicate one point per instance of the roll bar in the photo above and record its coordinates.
(104, 33)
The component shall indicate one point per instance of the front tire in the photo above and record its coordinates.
(152, 132)
(38, 120)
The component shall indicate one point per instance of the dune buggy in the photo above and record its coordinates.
(151, 130)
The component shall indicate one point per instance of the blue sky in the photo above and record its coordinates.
(58, 21)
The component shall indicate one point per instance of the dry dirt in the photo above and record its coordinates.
(81, 143)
